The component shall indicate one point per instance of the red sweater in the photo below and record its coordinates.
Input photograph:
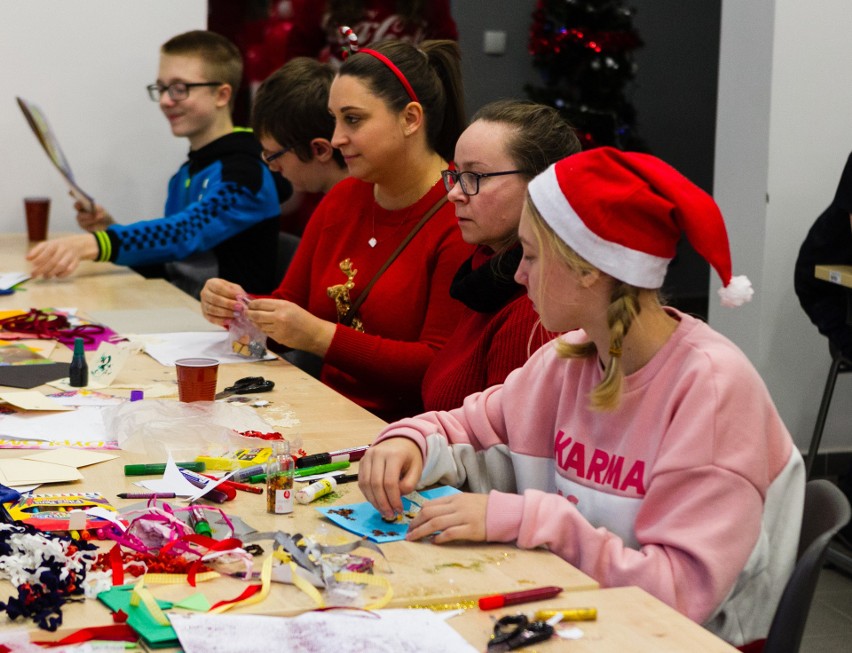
(483, 349)
(314, 37)
(408, 314)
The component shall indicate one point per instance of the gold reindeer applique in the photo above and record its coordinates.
(340, 294)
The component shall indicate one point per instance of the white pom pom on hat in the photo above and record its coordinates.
(624, 212)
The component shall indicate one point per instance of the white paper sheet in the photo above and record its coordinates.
(84, 423)
(395, 631)
(166, 348)
(9, 279)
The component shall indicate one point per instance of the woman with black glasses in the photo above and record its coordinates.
(508, 143)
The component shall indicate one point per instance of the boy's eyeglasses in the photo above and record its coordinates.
(177, 91)
(268, 159)
(469, 181)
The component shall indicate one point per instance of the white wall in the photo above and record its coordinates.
(783, 134)
(86, 63)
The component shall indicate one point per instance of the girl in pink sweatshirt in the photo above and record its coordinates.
(642, 447)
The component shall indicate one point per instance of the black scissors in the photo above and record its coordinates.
(246, 386)
(517, 631)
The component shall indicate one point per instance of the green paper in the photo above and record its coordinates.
(138, 617)
(197, 602)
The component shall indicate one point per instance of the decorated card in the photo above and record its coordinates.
(363, 519)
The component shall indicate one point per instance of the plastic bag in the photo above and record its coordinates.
(244, 337)
(184, 430)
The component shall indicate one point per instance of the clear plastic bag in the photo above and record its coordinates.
(184, 430)
(244, 337)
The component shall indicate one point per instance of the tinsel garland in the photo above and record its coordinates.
(47, 569)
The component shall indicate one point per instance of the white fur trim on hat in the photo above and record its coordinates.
(737, 292)
(629, 265)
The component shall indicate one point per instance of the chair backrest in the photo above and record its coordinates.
(827, 510)
(287, 244)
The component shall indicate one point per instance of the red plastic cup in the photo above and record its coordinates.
(37, 210)
(196, 378)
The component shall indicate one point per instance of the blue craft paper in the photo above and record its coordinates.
(365, 518)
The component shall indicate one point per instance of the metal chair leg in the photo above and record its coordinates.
(830, 382)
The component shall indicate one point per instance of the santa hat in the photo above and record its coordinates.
(624, 212)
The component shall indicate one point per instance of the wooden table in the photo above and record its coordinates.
(629, 621)
(420, 573)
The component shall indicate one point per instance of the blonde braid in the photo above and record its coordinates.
(623, 309)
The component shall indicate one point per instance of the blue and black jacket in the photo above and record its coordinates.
(221, 219)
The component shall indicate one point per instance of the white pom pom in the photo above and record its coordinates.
(737, 292)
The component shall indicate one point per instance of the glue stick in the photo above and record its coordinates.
(316, 490)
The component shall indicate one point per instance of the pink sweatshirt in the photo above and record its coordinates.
(692, 489)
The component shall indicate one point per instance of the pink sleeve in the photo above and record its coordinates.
(478, 422)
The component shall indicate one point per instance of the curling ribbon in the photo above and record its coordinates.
(251, 595)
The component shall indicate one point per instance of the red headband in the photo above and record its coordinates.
(396, 71)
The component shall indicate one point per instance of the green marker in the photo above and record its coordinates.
(307, 471)
(159, 468)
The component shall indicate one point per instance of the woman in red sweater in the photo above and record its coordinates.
(398, 113)
(508, 143)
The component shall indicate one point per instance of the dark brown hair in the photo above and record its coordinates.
(434, 72)
(291, 106)
(540, 136)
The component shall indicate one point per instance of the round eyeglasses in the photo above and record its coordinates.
(177, 91)
(269, 159)
(469, 181)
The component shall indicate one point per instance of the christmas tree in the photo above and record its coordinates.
(584, 51)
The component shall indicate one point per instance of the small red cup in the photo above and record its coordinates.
(37, 210)
(196, 378)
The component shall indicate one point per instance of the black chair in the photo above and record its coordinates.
(827, 510)
(287, 244)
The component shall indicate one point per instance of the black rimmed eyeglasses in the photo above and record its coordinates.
(469, 181)
(269, 159)
(177, 91)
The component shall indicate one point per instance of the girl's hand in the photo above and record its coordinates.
(388, 470)
(219, 303)
(456, 517)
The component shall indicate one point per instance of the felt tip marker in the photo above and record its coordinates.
(348, 455)
(306, 471)
(146, 495)
(512, 598)
(245, 487)
(245, 473)
(198, 521)
(159, 468)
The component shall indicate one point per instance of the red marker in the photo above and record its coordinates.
(236, 485)
(512, 598)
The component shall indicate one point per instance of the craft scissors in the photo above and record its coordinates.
(246, 386)
(516, 631)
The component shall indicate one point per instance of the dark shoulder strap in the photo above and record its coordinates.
(346, 320)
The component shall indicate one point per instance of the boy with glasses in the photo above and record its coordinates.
(290, 118)
(221, 213)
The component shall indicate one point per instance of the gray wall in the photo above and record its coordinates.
(674, 92)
